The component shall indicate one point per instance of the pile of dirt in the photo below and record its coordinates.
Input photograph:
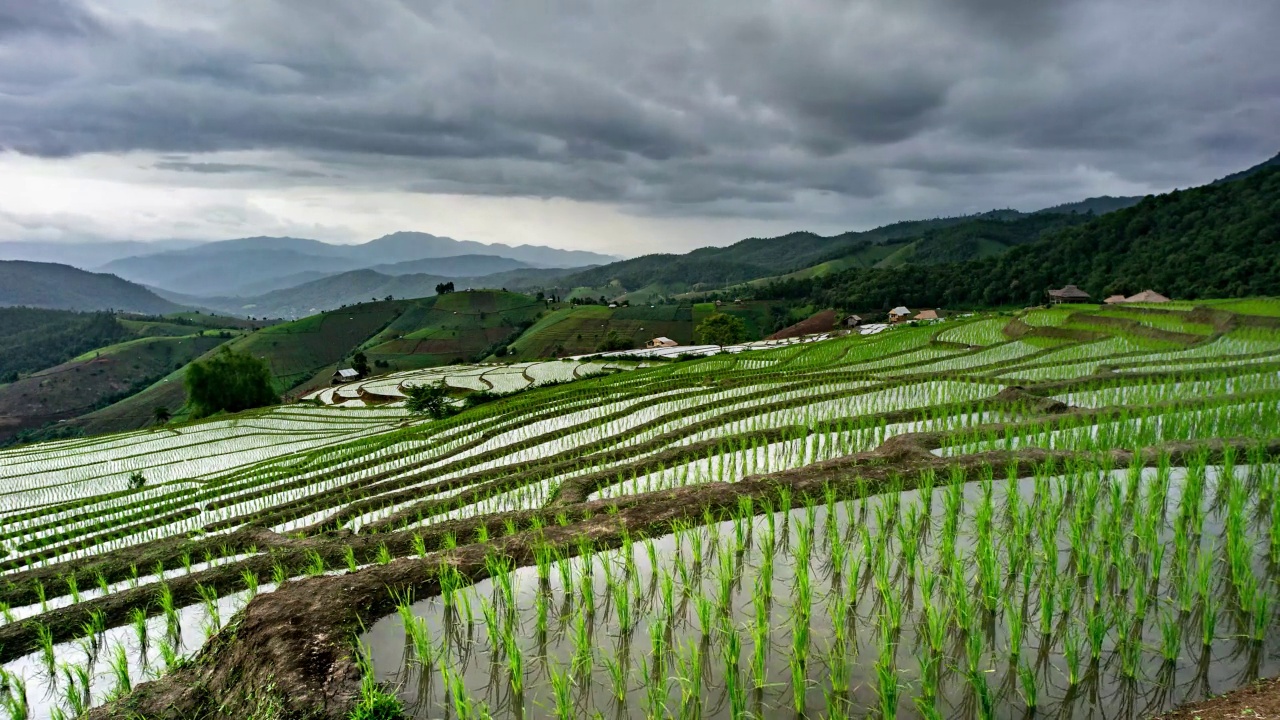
(819, 322)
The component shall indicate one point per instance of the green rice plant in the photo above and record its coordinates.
(1013, 619)
(138, 619)
(44, 602)
(250, 580)
(15, 699)
(1260, 617)
(6, 613)
(315, 564)
(76, 699)
(72, 588)
(121, 682)
(731, 650)
(689, 675)
(279, 575)
(1170, 637)
(1072, 646)
(44, 638)
(168, 654)
(704, 609)
(617, 679)
(374, 703)
(168, 607)
(799, 683)
(886, 672)
(1028, 687)
(419, 546)
(1209, 608)
(213, 619)
(1097, 626)
(384, 555)
(420, 637)
(514, 656)
(349, 555)
(561, 691)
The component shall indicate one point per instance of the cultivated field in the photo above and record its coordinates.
(1072, 511)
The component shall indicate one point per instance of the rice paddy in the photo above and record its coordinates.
(925, 521)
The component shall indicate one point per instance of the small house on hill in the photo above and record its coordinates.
(927, 315)
(1148, 296)
(852, 321)
(899, 314)
(1068, 294)
(344, 375)
(661, 342)
(1113, 299)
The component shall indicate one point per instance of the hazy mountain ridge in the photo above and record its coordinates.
(62, 287)
(248, 266)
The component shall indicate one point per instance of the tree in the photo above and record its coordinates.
(614, 340)
(137, 480)
(230, 381)
(444, 288)
(722, 329)
(360, 363)
(161, 415)
(430, 400)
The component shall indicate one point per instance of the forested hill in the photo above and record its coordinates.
(1220, 240)
(930, 240)
(62, 287)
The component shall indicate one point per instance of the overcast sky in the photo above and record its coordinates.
(625, 127)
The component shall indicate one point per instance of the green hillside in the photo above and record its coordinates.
(62, 287)
(580, 329)
(458, 326)
(34, 339)
(1216, 241)
(95, 379)
(803, 255)
(296, 351)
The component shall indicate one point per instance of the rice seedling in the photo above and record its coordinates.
(121, 682)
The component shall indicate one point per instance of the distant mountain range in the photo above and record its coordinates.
(356, 286)
(292, 277)
(251, 266)
(247, 267)
(62, 287)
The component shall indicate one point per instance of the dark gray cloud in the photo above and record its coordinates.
(748, 107)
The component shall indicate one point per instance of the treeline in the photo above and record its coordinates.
(1214, 241)
(33, 339)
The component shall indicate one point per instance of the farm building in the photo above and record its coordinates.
(1113, 299)
(927, 315)
(659, 342)
(899, 314)
(1147, 296)
(1068, 294)
(343, 375)
(852, 321)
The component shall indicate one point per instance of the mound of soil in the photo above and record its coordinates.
(818, 322)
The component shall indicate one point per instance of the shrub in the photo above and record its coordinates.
(722, 329)
(430, 400)
(230, 381)
(615, 340)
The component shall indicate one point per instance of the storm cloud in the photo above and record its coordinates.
(832, 111)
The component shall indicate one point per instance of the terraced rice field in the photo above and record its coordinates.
(389, 390)
(927, 522)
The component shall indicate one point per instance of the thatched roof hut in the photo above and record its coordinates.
(1148, 296)
(1068, 294)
